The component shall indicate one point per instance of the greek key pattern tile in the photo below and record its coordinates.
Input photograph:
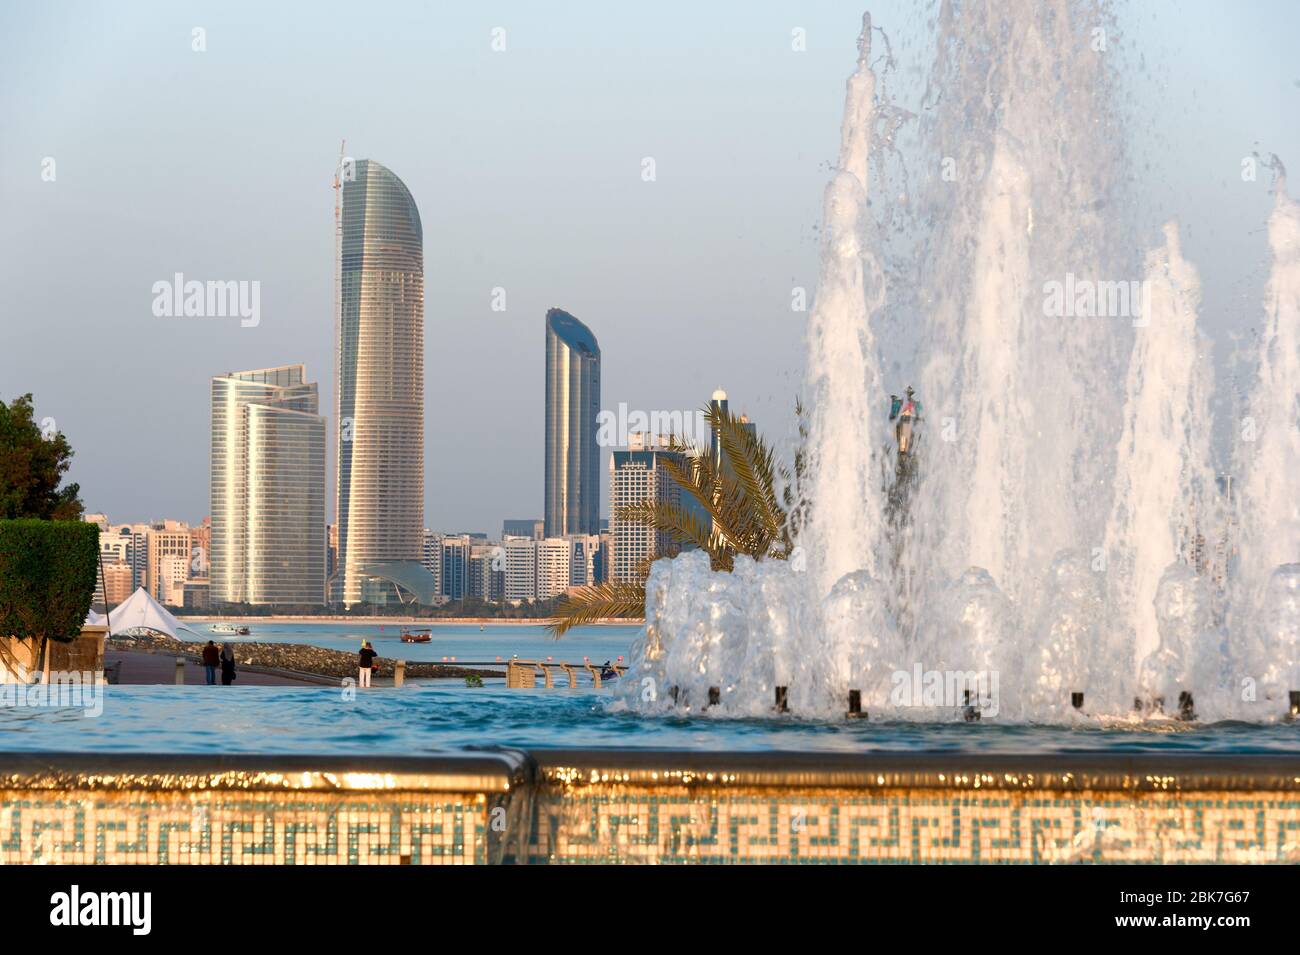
(638, 824)
(241, 829)
(634, 825)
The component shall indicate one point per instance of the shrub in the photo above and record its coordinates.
(48, 573)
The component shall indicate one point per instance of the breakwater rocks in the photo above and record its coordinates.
(295, 657)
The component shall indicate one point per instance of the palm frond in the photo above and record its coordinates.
(682, 524)
(744, 515)
(700, 480)
(752, 463)
(589, 604)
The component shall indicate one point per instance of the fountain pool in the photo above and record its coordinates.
(432, 718)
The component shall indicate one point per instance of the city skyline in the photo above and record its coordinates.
(530, 197)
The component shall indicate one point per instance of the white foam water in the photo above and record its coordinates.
(1049, 558)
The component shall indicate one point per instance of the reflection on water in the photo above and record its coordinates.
(422, 719)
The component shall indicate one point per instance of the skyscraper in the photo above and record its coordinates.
(572, 504)
(719, 404)
(637, 476)
(268, 488)
(380, 392)
(169, 552)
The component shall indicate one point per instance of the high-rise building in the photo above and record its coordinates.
(553, 567)
(638, 475)
(719, 404)
(572, 504)
(196, 594)
(455, 566)
(585, 563)
(535, 570)
(170, 576)
(169, 546)
(114, 584)
(331, 550)
(268, 489)
(487, 572)
(526, 527)
(117, 544)
(138, 534)
(380, 393)
(201, 547)
(431, 558)
(520, 569)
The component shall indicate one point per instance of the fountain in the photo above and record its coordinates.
(1054, 561)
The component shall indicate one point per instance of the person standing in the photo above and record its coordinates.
(211, 659)
(365, 662)
(227, 665)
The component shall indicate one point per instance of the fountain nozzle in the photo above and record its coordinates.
(855, 706)
(1076, 700)
(781, 704)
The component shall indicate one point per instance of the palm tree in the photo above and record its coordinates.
(744, 516)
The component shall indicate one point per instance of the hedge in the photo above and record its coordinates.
(48, 574)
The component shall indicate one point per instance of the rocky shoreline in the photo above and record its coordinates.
(295, 658)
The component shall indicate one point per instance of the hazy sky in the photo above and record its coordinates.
(527, 168)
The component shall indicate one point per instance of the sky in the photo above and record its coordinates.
(527, 164)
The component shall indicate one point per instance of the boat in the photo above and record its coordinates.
(230, 628)
(416, 636)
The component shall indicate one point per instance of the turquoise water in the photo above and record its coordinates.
(439, 716)
(464, 641)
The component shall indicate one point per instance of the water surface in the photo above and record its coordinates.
(440, 716)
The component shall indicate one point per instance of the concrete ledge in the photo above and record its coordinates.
(498, 771)
(1066, 772)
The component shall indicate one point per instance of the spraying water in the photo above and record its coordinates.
(845, 379)
(1043, 556)
(1163, 480)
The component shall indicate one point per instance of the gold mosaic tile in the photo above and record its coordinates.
(632, 824)
(629, 808)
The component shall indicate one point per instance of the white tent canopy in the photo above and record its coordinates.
(141, 612)
(94, 619)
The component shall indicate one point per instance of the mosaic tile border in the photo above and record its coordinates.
(668, 825)
(637, 806)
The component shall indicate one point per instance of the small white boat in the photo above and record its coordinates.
(230, 628)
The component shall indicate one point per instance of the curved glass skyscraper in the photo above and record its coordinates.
(268, 488)
(572, 503)
(380, 391)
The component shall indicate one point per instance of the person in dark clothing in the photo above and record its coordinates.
(211, 660)
(227, 665)
(365, 662)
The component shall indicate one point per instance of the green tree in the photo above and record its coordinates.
(32, 465)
